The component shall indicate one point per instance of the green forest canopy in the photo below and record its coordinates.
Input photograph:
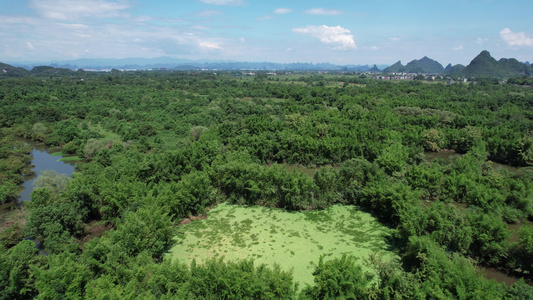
(161, 147)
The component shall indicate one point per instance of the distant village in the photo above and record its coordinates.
(412, 76)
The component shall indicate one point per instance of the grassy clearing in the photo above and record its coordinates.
(294, 240)
(107, 135)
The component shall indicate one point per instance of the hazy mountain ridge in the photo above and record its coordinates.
(11, 71)
(424, 65)
(184, 64)
(483, 65)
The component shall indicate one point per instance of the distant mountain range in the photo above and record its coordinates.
(483, 65)
(424, 65)
(486, 66)
(170, 63)
(11, 71)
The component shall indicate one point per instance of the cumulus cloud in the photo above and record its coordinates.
(282, 10)
(515, 38)
(224, 2)
(323, 11)
(460, 47)
(336, 37)
(67, 9)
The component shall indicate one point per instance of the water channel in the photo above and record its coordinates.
(42, 160)
(490, 273)
(431, 156)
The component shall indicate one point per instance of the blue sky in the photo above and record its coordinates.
(335, 31)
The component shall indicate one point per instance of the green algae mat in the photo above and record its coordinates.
(294, 240)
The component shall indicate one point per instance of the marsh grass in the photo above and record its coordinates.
(66, 158)
(294, 240)
(71, 158)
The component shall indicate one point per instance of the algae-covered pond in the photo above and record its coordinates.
(294, 240)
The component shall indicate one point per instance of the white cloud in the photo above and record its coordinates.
(323, 11)
(282, 10)
(337, 37)
(480, 40)
(64, 39)
(264, 18)
(67, 9)
(209, 45)
(143, 19)
(394, 38)
(224, 2)
(208, 13)
(72, 26)
(277, 11)
(460, 47)
(515, 38)
(13, 20)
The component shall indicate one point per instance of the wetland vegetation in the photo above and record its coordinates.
(294, 240)
(164, 148)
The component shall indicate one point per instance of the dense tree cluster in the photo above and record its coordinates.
(161, 147)
(14, 164)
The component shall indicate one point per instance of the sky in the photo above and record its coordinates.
(341, 32)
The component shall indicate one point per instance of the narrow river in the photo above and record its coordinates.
(431, 156)
(42, 160)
